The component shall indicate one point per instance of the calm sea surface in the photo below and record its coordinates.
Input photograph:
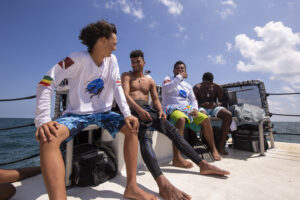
(19, 143)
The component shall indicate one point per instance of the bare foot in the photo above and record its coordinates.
(216, 156)
(138, 194)
(223, 151)
(208, 169)
(180, 162)
(170, 192)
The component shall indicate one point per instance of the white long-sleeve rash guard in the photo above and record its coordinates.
(92, 87)
(176, 91)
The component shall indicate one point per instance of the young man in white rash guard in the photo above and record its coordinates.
(94, 81)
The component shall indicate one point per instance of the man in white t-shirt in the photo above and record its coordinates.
(181, 107)
(94, 81)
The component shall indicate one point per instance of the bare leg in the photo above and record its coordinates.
(208, 134)
(178, 160)
(7, 190)
(13, 175)
(132, 190)
(208, 169)
(52, 165)
(168, 191)
(226, 117)
(8, 176)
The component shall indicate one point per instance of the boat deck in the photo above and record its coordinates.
(274, 176)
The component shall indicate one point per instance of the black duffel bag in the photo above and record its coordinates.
(246, 137)
(92, 165)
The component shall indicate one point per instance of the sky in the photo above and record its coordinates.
(236, 40)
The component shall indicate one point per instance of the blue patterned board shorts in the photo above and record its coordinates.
(110, 121)
(211, 112)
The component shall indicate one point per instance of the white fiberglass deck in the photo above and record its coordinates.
(275, 176)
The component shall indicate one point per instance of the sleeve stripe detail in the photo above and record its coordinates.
(66, 63)
(46, 81)
(47, 78)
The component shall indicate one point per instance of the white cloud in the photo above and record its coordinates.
(275, 106)
(218, 59)
(229, 46)
(153, 24)
(276, 53)
(291, 98)
(180, 28)
(132, 7)
(229, 3)
(174, 6)
(96, 4)
(181, 33)
(228, 10)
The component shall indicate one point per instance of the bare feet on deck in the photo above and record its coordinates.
(208, 169)
(169, 191)
(216, 156)
(180, 162)
(137, 193)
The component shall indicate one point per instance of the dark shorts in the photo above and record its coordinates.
(110, 121)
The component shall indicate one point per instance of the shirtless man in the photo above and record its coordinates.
(207, 94)
(94, 81)
(137, 87)
(180, 104)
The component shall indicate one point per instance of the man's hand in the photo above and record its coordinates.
(183, 74)
(144, 115)
(45, 132)
(203, 111)
(209, 105)
(214, 104)
(161, 115)
(194, 113)
(132, 123)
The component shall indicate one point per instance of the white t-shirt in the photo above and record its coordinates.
(176, 91)
(92, 87)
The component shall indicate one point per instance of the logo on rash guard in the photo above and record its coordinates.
(182, 93)
(95, 87)
(118, 81)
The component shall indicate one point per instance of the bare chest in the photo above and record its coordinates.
(140, 84)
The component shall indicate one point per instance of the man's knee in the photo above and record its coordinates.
(63, 134)
(206, 122)
(180, 121)
(127, 132)
(225, 115)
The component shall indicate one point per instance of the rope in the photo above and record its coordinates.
(286, 134)
(22, 98)
(284, 115)
(15, 127)
(282, 93)
(26, 158)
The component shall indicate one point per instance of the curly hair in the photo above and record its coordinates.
(90, 34)
(136, 53)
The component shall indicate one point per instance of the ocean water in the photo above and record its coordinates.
(19, 143)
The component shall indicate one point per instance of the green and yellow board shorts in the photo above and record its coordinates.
(195, 125)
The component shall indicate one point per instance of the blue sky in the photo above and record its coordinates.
(236, 40)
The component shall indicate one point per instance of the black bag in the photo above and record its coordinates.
(92, 165)
(246, 137)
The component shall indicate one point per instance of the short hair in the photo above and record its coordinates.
(137, 53)
(90, 34)
(208, 76)
(179, 62)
